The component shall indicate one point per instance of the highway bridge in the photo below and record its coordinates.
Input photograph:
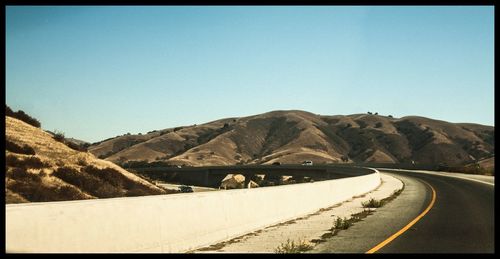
(211, 176)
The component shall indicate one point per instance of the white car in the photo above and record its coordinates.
(307, 162)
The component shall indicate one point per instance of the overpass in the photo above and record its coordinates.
(211, 176)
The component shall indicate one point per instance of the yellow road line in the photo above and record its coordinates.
(401, 231)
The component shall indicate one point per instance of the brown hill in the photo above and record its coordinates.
(39, 168)
(294, 136)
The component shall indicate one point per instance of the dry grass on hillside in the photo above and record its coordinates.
(294, 136)
(55, 172)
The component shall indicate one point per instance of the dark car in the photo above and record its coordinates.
(307, 162)
(185, 188)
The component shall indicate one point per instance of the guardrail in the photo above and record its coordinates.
(170, 223)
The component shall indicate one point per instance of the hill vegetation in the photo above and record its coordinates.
(40, 168)
(290, 137)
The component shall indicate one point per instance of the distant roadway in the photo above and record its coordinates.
(434, 214)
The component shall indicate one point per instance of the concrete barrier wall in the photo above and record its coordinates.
(168, 223)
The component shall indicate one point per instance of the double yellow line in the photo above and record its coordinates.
(405, 228)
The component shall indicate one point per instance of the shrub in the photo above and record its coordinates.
(290, 247)
(13, 147)
(59, 136)
(111, 176)
(378, 125)
(8, 111)
(372, 203)
(23, 175)
(41, 193)
(87, 182)
(67, 192)
(342, 223)
(28, 162)
(34, 162)
(74, 146)
(136, 192)
(70, 175)
(78, 147)
(21, 115)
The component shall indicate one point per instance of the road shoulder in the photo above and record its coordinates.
(312, 229)
(386, 221)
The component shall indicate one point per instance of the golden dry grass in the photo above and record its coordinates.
(295, 136)
(31, 177)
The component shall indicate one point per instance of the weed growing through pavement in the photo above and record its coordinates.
(290, 247)
(372, 203)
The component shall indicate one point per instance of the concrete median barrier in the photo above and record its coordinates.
(169, 223)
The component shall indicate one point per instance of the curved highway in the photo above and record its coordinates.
(457, 217)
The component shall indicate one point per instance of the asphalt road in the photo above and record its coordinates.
(461, 219)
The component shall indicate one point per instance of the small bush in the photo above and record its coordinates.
(342, 223)
(378, 125)
(81, 161)
(28, 162)
(87, 183)
(37, 192)
(59, 136)
(23, 175)
(290, 247)
(361, 215)
(111, 176)
(70, 175)
(15, 148)
(136, 192)
(75, 146)
(372, 203)
(67, 192)
(21, 115)
(72, 145)
(34, 162)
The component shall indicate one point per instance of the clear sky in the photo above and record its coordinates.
(98, 72)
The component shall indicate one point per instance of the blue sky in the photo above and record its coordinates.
(99, 72)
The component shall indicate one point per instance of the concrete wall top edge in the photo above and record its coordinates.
(176, 195)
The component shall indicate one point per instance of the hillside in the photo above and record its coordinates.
(39, 168)
(295, 136)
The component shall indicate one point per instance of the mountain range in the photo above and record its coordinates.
(293, 136)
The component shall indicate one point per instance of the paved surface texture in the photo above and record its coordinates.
(387, 220)
(460, 221)
(309, 228)
(474, 177)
